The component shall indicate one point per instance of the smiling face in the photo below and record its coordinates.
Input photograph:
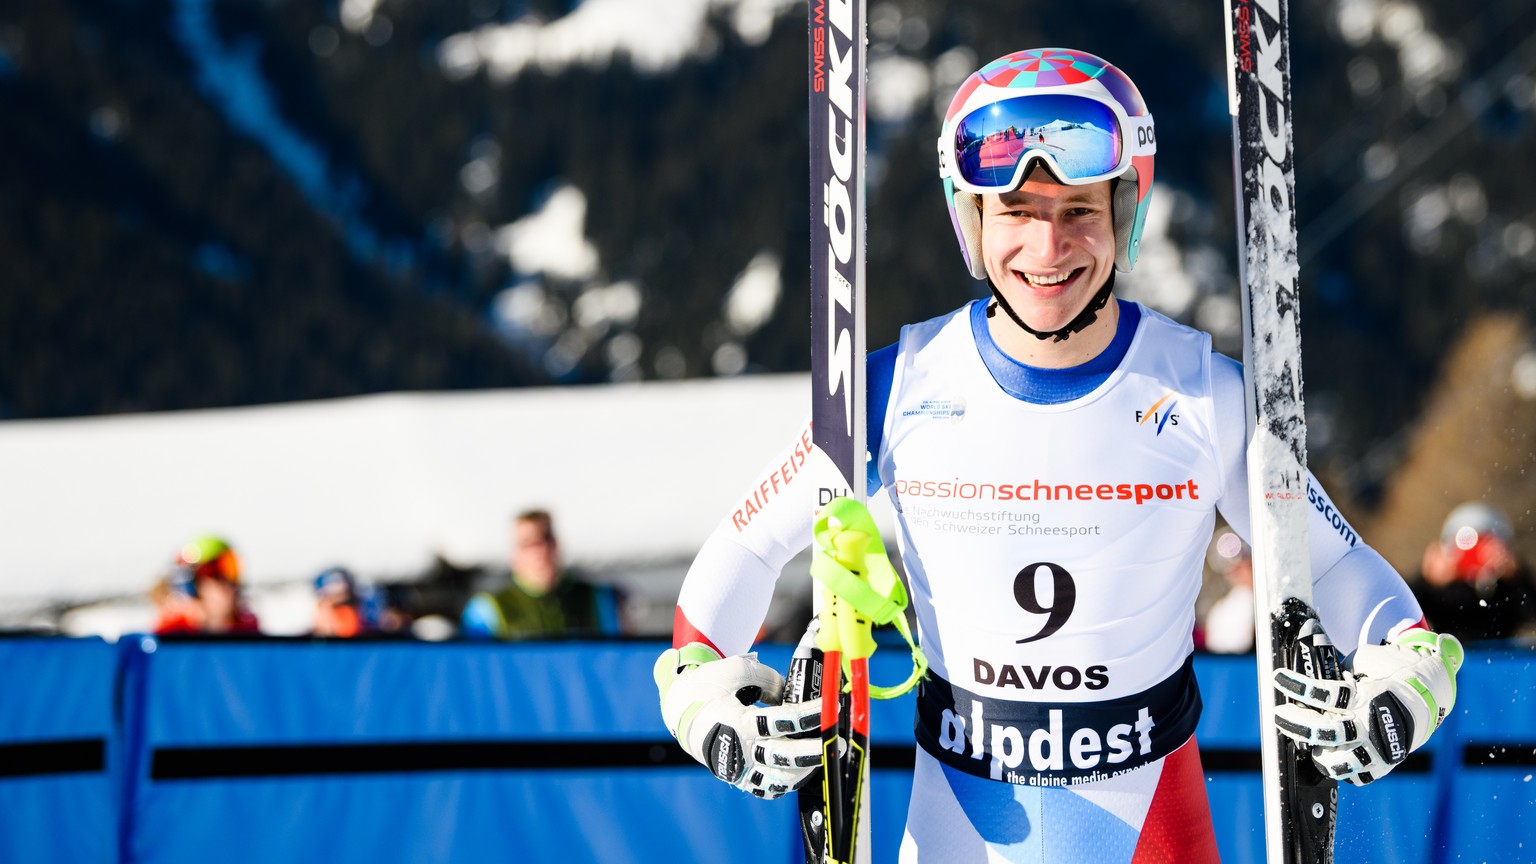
(1048, 248)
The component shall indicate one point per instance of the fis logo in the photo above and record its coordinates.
(1160, 413)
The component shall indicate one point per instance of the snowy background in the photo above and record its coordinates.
(383, 485)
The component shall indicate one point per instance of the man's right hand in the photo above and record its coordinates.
(711, 706)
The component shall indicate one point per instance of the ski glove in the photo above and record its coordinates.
(710, 707)
(1391, 698)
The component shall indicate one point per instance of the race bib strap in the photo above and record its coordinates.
(1056, 744)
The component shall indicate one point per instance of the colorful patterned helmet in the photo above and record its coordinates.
(1068, 110)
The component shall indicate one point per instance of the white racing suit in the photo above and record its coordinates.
(1053, 526)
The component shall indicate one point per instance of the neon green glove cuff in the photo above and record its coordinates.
(674, 661)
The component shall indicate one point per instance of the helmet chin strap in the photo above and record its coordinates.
(1084, 318)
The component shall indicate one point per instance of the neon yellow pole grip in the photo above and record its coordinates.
(854, 630)
(850, 563)
(828, 638)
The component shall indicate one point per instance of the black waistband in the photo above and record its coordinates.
(1056, 743)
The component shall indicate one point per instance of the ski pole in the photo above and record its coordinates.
(847, 642)
(860, 589)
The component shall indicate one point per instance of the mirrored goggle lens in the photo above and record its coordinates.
(1081, 135)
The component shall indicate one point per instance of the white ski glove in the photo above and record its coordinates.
(709, 705)
(1391, 698)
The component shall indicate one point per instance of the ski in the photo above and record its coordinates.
(834, 815)
(1300, 804)
(804, 682)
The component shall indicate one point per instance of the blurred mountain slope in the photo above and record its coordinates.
(1476, 441)
(225, 203)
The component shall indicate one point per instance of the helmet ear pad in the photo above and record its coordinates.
(967, 209)
(1128, 216)
(1123, 208)
(1131, 199)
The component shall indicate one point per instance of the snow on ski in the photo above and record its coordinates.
(1300, 804)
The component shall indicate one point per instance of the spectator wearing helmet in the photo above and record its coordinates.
(338, 609)
(1056, 458)
(202, 594)
(1471, 581)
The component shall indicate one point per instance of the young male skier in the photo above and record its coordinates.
(1055, 457)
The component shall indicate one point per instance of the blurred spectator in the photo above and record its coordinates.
(1471, 582)
(1229, 622)
(202, 594)
(338, 609)
(391, 608)
(173, 606)
(542, 598)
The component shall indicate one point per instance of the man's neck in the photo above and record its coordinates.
(1049, 353)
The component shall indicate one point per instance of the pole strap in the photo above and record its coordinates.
(849, 561)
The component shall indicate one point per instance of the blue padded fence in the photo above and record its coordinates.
(59, 741)
(156, 750)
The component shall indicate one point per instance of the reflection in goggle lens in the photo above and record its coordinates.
(1082, 136)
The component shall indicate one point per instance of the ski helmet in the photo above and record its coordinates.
(1473, 522)
(1470, 536)
(1071, 111)
(209, 556)
(337, 581)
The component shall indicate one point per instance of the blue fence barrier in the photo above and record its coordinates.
(154, 750)
(58, 741)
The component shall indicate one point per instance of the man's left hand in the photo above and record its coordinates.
(1390, 700)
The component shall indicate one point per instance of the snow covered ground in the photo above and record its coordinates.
(636, 475)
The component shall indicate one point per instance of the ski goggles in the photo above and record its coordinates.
(1082, 140)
